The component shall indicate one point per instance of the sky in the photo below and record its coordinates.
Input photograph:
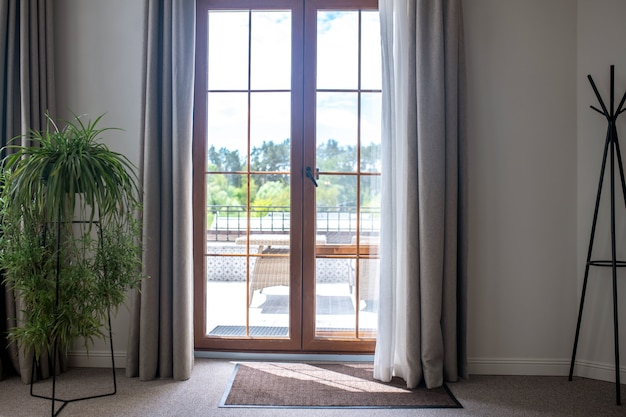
(271, 62)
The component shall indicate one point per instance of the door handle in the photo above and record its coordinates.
(309, 174)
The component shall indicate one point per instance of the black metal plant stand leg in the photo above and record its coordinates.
(612, 151)
(55, 349)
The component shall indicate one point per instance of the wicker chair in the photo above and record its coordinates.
(270, 271)
(271, 267)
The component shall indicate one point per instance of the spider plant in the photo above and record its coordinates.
(68, 274)
(61, 163)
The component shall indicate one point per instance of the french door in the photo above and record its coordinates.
(287, 175)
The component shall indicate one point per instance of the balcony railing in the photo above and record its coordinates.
(338, 224)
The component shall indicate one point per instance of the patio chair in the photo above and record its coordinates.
(368, 273)
(270, 271)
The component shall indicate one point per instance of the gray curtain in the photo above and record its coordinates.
(161, 328)
(422, 325)
(26, 93)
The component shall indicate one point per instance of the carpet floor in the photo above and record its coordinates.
(326, 385)
(200, 395)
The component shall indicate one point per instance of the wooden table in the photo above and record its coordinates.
(322, 249)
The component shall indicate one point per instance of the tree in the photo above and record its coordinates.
(272, 194)
(334, 158)
(370, 157)
(271, 157)
(226, 160)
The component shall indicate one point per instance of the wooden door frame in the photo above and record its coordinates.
(303, 249)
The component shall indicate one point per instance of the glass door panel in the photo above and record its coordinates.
(347, 149)
(248, 176)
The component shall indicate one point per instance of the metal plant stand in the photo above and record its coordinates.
(55, 350)
(611, 146)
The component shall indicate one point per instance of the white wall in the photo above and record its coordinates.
(534, 161)
(98, 55)
(601, 43)
(535, 153)
(521, 68)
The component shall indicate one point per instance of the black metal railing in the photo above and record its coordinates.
(338, 224)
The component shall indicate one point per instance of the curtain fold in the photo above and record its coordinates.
(161, 328)
(421, 331)
(26, 93)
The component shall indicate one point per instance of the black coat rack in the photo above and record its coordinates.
(611, 146)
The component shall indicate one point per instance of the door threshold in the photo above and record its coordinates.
(307, 357)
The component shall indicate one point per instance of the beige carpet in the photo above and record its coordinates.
(201, 395)
(286, 384)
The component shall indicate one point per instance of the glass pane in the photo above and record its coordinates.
(270, 130)
(271, 51)
(226, 295)
(269, 286)
(228, 50)
(370, 132)
(336, 208)
(269, 244)
(227, 131)
(270, 200)
(370, 206)
(334, 304)
(336, 131)
(371, 72)
(337, 50)
(335, 227)
(225, 207)
(368, 294)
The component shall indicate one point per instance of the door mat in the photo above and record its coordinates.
(240, 331)
(325, 385)
(272, 331)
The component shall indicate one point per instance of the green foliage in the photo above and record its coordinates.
(220, 192)
(271, 194)
(272, 189)
(271, 157)
(68, 274)
(334, 158)
(223, 160)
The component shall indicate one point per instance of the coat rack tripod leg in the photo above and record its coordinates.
(589, 252)
(614, 270)
(612, 150)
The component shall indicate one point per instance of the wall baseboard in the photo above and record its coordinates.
(517, 366)
(543, 367)
(96, 359)
(600, 371)
(476, 366)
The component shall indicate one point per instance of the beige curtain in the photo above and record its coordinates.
(421, 331)
(161, 328)
(26, 93)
